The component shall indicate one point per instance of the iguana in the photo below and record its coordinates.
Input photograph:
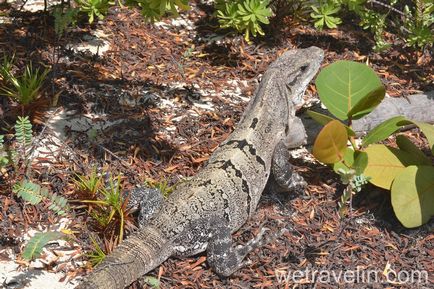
(203, 212)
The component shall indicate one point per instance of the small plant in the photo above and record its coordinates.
(34, 247)
(153, 10)
(97, 255)
(6, 154)
(162, 186)
(112, 207)
(350, 90)
(244, 15)
(89, 184)
(23, 131)
(25, 88)
(92, 8)
(34, 194)
(6, 67)
(419, 24)
(23, 134)
(323, 14)
(63, 18)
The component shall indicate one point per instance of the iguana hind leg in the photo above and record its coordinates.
(223, 257)
(283, 177)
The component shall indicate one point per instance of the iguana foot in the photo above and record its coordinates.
(147, 201)
(224, 258)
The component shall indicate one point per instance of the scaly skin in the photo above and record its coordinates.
(203, 212)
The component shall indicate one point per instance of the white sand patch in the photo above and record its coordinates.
(96, 43)
(12, 276)
(302, 153)
(37, 5)
(5, 20)
(52, 144)
(49, 270)
(180, 22)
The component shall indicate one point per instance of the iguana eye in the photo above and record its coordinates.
(303, 68)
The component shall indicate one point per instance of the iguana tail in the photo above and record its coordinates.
(140, 253)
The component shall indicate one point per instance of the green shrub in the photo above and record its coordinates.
(153, 10)
(92, 8)
(417, 20)
(244, 15)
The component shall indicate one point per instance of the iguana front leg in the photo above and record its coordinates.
(283, 178)
(147, 201)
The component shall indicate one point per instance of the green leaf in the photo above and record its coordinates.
(356, 160)
(347, 161)
(385, 163)
(360, 162)
(369, 101)
(406, 145)
(384, 130)
(319, 117)
(428, 131)
(413, 195)
(29, 191)
(152, 281)
(343, 84)
(34, 193)
(331, 143)
(34, 247)
(23, 131)
(325, 119)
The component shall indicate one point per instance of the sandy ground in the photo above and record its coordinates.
(12, 276)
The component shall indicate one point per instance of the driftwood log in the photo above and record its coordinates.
(419, 107)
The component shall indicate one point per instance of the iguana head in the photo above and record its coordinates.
(294, 69)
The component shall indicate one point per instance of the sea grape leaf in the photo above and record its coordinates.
(349, 88)
(367, 103)
(384, 130)
(385, 163)
(360, 162)
(346, 162)
(428, 131)
(325, 119)
(319, 117)
(406, 145)
(412, 195)
(331, 143)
